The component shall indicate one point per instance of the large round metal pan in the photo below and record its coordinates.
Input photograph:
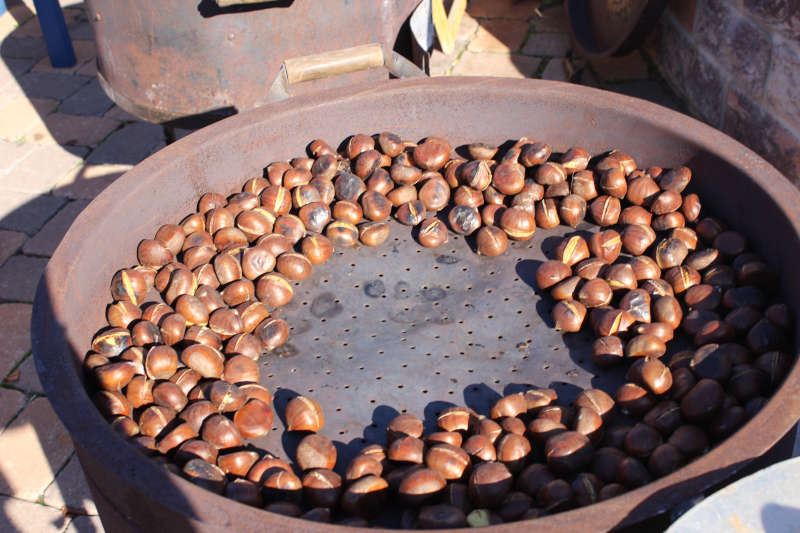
(136, 494)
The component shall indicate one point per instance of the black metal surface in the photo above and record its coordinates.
(401, 328)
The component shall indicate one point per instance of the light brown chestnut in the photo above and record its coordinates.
(568, 315)
(294, 266)
(572, 250)
(605, 210)
(491, 241)
(432, 233)
(546, 213)
(315, 451)
(342, 234)
(304, 414)
(518, 224)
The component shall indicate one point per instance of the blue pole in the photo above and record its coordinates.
(59, 44)
(2, 6)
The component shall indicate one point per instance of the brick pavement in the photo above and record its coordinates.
(62, 141)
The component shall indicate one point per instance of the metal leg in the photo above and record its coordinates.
(169, 134)
(59, 44)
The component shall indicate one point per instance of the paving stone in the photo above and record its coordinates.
(10, 92)
(782, 15)
(128, 145)
(25, 377)
(44, 105)
(10, 242)
(553, 20)
(736, 42)
(161, 145)
(547, 44)
(754, 126)
(513, 9)
(15, 325)
(180, 133)
(16, 66)
(8, 25)
(440, 63)
(11, 69)
(72, 130)
(30, 28)
(499, 36)
(88, 100)
(648, 90)
(70, 489)
(467, 29)
(82, 30)
(23, 47)
(85, 524)
(23, 114)
(87, 181)
(11, 402)
(48, 238)
(85, 50)
(51, 84)
(12, 154)
(120, 114)
(691, 72)
(43, 168)
(19, 515)
(23, 211)
(783, 81)
(504, 65)
(21, 9)
(629, 67)
(19, 277)
(555, 71)
(35, 446)
(88, 69)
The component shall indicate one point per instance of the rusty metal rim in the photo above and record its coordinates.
(94, 435)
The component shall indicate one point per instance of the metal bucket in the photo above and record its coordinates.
(175, 60)
(434, 325)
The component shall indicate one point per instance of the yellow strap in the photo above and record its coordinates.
(446, 24)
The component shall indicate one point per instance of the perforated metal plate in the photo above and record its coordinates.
(405, 329)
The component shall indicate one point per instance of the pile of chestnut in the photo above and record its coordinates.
(176, 372)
